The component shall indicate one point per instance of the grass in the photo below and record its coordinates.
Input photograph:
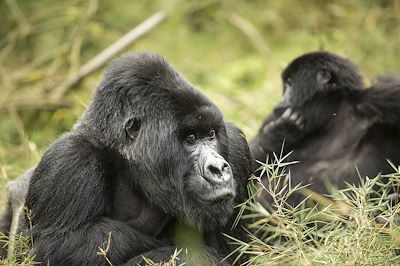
(358, 225)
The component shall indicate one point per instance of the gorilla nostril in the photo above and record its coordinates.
(214, 170)
(225, 166)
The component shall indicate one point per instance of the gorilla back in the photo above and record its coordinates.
(149, 150)
(333, 125)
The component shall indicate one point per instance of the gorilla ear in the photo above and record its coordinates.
(132, 127)
(324, 76)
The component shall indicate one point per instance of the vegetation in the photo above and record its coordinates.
(234, 51)
(358, 225)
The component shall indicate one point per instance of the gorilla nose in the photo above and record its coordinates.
(217, 171)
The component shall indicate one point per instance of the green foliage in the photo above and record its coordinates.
(21, 255)
(357, 226)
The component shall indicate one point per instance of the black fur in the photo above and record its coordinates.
(331, 123)
(142, 157)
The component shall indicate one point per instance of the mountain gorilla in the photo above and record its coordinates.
(333, 125)
(149, 151)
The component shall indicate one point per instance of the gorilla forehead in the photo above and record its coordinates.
(318, 60)
(201, 120)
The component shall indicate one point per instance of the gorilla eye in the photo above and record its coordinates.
(324, 76)
(191, 138)
(211, 134)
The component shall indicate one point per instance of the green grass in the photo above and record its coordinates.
(355, 226)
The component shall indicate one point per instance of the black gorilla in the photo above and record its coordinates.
(149, 151)
(332, 123)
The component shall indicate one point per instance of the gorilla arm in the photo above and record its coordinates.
(382, 102)
(69, 198)
(288, 126)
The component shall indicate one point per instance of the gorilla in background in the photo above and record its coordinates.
(332, 124)
(150, 151)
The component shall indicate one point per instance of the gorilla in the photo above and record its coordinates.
(149, 152)
(335, 127)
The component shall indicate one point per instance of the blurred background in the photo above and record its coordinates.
(234, 51)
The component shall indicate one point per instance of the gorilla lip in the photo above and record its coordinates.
(223, 194)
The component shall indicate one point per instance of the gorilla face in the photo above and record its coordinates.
(211, 179)
(204, 174)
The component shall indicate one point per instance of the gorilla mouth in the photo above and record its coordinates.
(220, 195)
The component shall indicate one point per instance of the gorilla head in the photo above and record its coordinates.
(314, 72)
